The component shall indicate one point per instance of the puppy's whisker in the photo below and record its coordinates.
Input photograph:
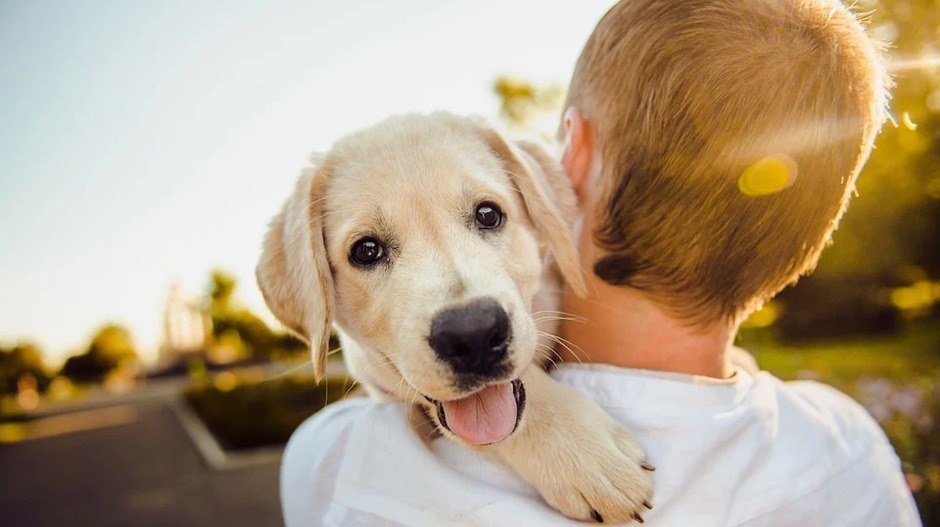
(290, 371)
(554, 319)
(559, 317)
(547, 316)
(352, 386)
(414, 397)
(546, 352)
(551, 359)
(381, 360)
(429, 420)
(567, 345)
(360, 379)
(559, 340)
(400, 384)
(569, 316)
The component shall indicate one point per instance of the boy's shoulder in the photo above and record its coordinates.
(829, 456)
(828, 409)
(810, 403)
(779, 452)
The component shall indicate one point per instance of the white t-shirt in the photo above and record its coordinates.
(748, 451)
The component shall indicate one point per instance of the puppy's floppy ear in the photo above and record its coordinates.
(545, 192)
(294, 274)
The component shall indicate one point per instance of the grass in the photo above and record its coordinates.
(915, 354)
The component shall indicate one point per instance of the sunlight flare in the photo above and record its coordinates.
(914, 64)
(768, 175)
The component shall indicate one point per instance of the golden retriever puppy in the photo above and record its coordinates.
(438, 250)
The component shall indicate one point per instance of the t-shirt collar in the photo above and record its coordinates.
(627, 388)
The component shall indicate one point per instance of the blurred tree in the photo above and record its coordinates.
(229, 321)
(110, 348)
(22, 359)
(221, 287)
(525, 106)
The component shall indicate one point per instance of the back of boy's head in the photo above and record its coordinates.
(730, 134)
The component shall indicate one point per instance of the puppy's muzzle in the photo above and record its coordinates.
(473, 339)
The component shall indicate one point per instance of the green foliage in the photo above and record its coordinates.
(253, 414)
(881, 232)
(110, 348)
(221, 287)
(112, 343)
(838, 307)
(240, 328)
(258, 339)
(525, 106)
(22, 360)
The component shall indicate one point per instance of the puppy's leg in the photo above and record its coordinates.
(582, 461)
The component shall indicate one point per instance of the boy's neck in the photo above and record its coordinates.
(622, 327)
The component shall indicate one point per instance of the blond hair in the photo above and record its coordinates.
(691, 100)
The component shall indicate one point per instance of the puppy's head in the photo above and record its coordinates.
(424, 239)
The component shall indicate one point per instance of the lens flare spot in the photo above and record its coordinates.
(225, 381)
(768, 175)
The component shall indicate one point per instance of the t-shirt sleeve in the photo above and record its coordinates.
(311, 460)
(871, 490)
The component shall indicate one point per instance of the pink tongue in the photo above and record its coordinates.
(485, 417)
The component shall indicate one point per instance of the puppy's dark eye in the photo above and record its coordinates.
(488, 215)
(366, 252)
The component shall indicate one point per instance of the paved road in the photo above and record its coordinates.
(142, 470)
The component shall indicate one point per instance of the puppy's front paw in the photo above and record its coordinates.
(602, 476)
(581, 461)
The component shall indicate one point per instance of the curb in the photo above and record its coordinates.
(214, 456)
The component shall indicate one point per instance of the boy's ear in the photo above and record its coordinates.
(294, 274)
(531, 170)
(577, 150)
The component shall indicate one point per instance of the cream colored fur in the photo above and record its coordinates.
(414, 181)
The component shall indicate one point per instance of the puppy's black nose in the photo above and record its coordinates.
(472, 339)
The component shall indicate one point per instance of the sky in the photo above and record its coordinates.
(145, 143)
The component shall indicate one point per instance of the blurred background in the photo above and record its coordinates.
(145, 145)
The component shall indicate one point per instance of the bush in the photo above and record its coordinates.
(19, 362)
(244, 415)
(837, 307)
(110, 347)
